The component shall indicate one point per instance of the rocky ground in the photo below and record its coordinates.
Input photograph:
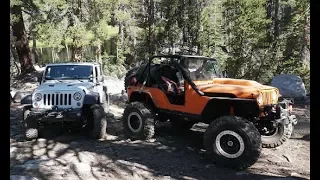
(170, 155)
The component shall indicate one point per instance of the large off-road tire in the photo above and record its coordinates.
(138, 121)
(277, 136)
(128, 76)
(30, 124)
(232, 142)
(97, 122)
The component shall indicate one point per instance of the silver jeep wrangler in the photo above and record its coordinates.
(69, 94)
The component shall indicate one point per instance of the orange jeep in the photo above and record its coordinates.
(243, 115)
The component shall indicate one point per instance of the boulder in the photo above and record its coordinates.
(289, 85)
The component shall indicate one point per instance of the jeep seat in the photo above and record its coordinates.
(166, 79)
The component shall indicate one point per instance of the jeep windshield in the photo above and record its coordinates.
(202, 69)
(64, 72)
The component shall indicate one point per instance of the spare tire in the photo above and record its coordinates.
(137, 72)
(129, 75)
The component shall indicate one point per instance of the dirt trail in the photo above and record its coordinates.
(170, 155)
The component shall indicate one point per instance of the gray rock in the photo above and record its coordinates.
(289, 85)
(17, 177)
(41, 140)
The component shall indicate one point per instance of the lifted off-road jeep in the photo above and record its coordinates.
(69, 94)
(243, 115)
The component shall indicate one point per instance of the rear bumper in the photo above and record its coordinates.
(62, 115)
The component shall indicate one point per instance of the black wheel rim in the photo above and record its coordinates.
(134, 122)
(230, 144)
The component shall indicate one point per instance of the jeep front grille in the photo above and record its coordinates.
(267, 97)
(57, 99)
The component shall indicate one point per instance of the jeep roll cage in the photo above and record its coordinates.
(178, 64)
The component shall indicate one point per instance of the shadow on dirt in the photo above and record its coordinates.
(179, 155)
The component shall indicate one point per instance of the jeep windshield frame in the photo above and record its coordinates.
(68, 72)
(201, 68)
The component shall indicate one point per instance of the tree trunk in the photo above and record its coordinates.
(22, 45)
(276, 19)
(98, 53)
(67, 51)
(14, 58)
(34, 50)
(77, 54)
(52, 55)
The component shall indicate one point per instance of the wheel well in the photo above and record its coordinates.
(142, 97)
(218, 107)
(91, 98)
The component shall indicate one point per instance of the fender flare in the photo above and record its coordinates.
(92, 98)
(220, 106)
(26, 99)
(136, 96)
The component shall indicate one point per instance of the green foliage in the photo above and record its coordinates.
(49, 35)
(112, 67)
(252, 39)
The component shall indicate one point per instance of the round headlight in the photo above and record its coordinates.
(274, 96)
(259, 99)
(37, 96)
(77, 96)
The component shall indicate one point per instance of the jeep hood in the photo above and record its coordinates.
(65, 85)
(238, 87)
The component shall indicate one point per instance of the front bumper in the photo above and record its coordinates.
(57, 115)
(280, 113)
(284, 112)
